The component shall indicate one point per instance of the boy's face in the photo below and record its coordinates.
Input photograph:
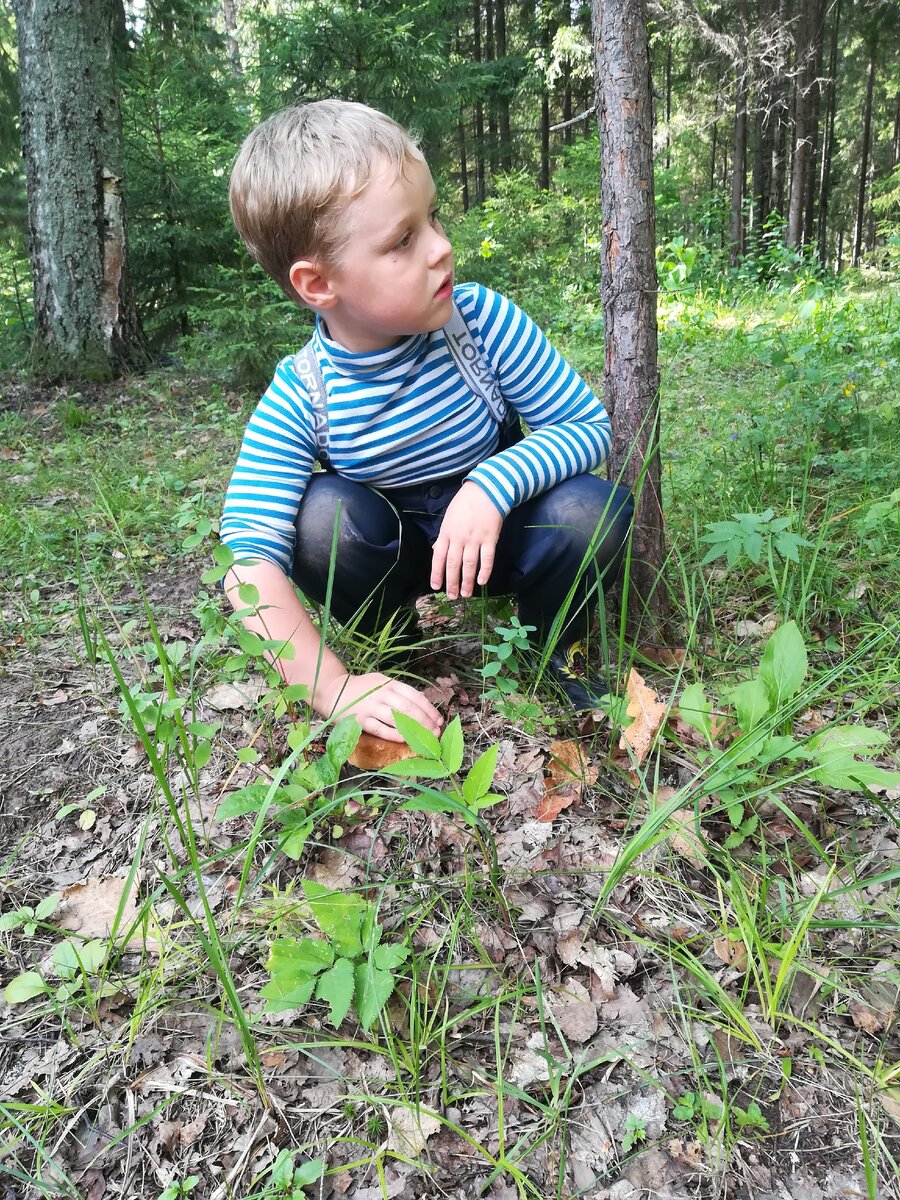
(395, 275)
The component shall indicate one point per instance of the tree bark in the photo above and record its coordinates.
(739, 157)
(545, 106)
(780, 134)
(864, 162)
(503, 94)
(828, 137)
(628, 287)
(815, 85)
(480, 190)
(800, 153)
(86, 325)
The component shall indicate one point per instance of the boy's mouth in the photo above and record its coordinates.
(446, 289)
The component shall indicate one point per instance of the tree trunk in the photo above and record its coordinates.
(86, 324)
(628, 287)
(780, 133)
(895, 136)
(668, 105)
(503, 97)
(480, 190)
(828, 136)
(463, 165)
(545, 106)
(712, 157)
(229, 20)
(864, 162)
(763, 134)
(739, 157)
(815, 84)
(800, 153)
(492, 106)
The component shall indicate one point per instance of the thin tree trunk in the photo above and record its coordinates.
(545, 108)
(628, 285)
(668, 105)
(229, 20)
(492, 107)
(86, 324)
(800, 153)
(895, 137)
(712, 157)
(480, 190)
(739, 158)
(815, 82)
(503, 98)
(828, 136)
(780, 133)
(463, 165)
(864, 161)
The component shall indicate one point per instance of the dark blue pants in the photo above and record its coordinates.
(574, 531)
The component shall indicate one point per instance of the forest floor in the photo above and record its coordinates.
(662, 963)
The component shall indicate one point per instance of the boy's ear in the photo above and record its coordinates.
(311, 284)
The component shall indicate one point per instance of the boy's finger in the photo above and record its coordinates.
(487, 564)
(438, 562)
(469, 567)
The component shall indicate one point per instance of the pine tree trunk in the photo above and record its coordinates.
(668, 105)
(780, 133)
(815, 84)
(545, 107)
(628, 286)
(503, 98)
(712, 157)
(492, 106)
(800, 153)
(864, 162)
(895, 136)
(828, 137)
(480, 190)
(86, 324)
(739, 157)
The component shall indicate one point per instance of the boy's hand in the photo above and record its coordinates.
(468, 537)
(372, 699)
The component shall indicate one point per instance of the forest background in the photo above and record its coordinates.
(662, 963)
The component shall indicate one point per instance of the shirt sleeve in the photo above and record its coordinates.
(569, 426)
(272, 471)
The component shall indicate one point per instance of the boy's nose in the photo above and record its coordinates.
(441, 247)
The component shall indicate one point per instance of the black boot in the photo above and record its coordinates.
(567, 669)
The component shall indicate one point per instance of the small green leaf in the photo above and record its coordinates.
(335, 987)
(70, 959)
(417, 768)
(47, 906)
(309, 1172)
(452, 746)
(298, 957)
(481, 775)
(341, 744)
(24, 987)
(784, 663)
(250, 643)
(373, 990)
(695, 708)
(282, 994)
(339, 915)
(419, 739)
(751, 703)
(245, 800)
(388, 957)
(295, 836)
(249, 594)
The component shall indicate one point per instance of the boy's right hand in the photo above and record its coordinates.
(373, 699)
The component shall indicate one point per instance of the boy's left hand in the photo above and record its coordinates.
(468, 537)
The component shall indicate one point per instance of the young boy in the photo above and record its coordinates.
(429, 488)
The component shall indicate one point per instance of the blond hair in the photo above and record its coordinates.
(296, 173)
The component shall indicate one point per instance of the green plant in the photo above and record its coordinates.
(750, 535)
(286, 1180)
(504, 666)
(179, 1188)
(29, 918)
(347, 965)
(635, 1132)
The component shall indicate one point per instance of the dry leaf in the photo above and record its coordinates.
(648, 712)
(734, 954)
(90, 909)
(870, 1020)
(373, 753)
(684, 838)
(568, 764)
(889, 1098)
(229, 697)
(574, 1012)
(410, 1129)
(663, 656)
(553, 802)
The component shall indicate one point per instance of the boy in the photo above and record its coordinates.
(428, 486)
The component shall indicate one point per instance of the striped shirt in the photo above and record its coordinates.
(404, 415)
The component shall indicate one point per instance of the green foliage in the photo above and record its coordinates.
(348, 966)
(749, 535)
(635, 1132)
(504, 668)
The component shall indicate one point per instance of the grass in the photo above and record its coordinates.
(745, 998)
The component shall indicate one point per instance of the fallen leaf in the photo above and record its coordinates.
(889, 1098)
(749, 628)
(663, 656)
(574, 1012)
(373, 753)
(90, 909)
(410, 1129)
(553, 802)
(870, 1020)
(684, 838)
(647, 711)
(233, 696)
(733, 953)
(567, 764)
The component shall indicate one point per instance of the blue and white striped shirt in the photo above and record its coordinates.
(404, 415)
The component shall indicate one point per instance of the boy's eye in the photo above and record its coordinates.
(404, 241)
(434, 216)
